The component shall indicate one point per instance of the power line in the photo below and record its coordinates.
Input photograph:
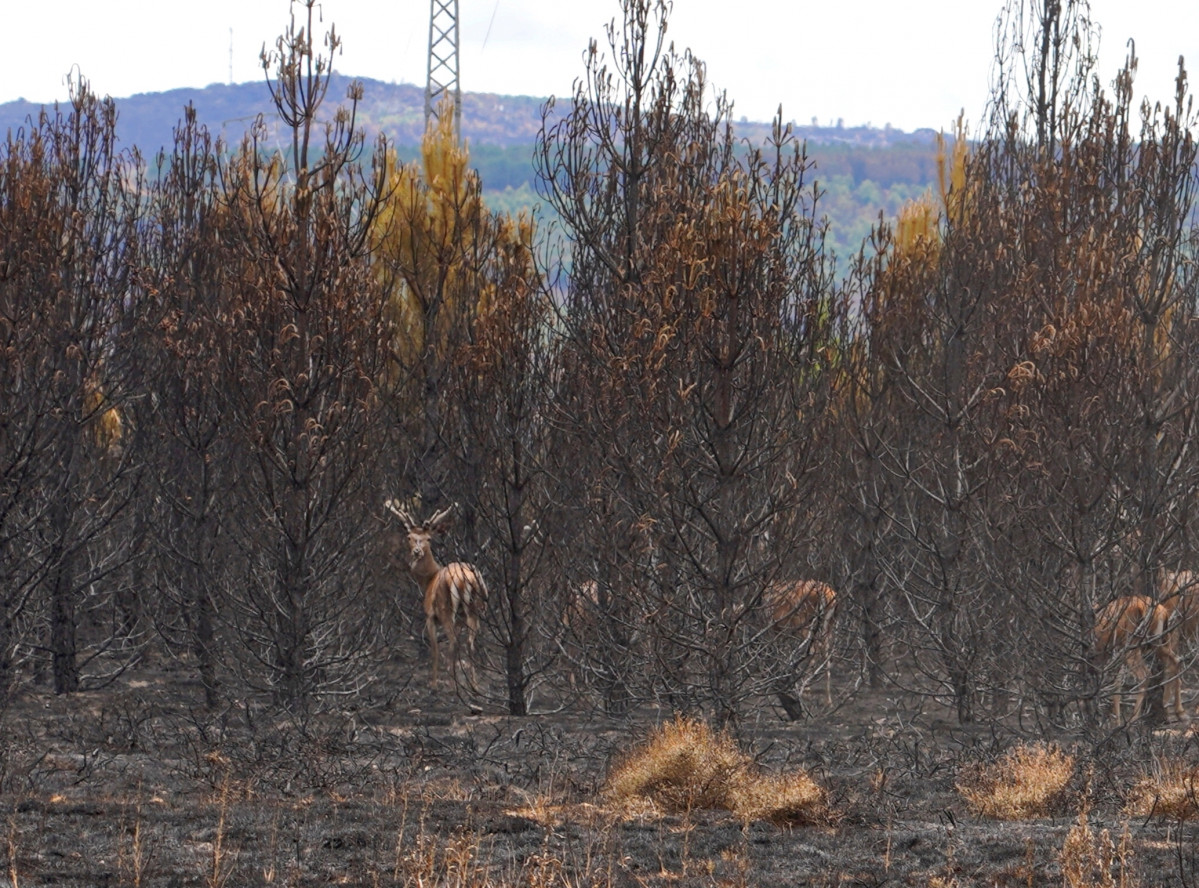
(494, 10)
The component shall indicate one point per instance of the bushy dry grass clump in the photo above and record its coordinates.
(1027, 781)
(784, 799)
(1170, 792)
(685, 766)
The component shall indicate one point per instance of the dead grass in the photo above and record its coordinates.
(1168, 792)
(782, 799)
(1027, 781)
(685, 766)
(432, 797)
(1093, 860)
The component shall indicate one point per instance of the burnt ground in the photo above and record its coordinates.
(136, 784)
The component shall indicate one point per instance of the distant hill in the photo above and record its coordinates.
(862, 170)
(146, 119)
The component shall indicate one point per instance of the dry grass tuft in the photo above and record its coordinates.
(1170, 792)
(1091, 860)
(1027, 781)
(685, 766)
(785, 799)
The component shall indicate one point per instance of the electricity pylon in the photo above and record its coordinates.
(443, 62)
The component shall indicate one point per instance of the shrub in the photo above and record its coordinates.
(785, 799)
(1027, 781)
(1169, 792)
(684, 765)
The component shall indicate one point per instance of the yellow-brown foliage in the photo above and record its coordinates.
(1169, 792)
(909, 265)
(109, 429)
(1027, 781)
(424, 232)
(916, 235)
(685, 765)
(951, 175)
(917, 238)
(441, 252)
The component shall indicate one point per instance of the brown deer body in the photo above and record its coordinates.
(580, 617)
(579, 614)
(1135, 628)
(455, 595)
(1178, 592)
(805, 610)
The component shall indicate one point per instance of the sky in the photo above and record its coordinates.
(907, 63)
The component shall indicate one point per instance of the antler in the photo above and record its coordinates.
(441, 519)
(437, 523)
(393, 506)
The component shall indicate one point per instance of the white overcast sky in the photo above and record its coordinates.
(910, 63)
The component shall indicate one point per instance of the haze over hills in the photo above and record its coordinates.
(862, 170)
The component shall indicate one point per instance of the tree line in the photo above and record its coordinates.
(217, 365)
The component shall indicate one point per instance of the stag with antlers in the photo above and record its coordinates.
(455, 595)
(1135, 628)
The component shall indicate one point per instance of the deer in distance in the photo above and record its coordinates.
(804, 610)
(455, 595)
(1135, 628)
(1178, 592)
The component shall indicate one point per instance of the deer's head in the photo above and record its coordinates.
(420, 535)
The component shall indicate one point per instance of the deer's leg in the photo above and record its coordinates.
(472, 629)
(1118, 687)
(1172, 675)
(1140, 673)
(431, 632)
(1126, 670)
(451, 636)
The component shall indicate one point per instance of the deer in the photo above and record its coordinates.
(804, 609)
(455, 595)
(579, 615)
(1178, 592)
(1135, 627)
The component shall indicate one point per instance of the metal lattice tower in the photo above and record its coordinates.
(443, 62)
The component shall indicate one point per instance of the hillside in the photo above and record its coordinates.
(862, 170)
(147, 119)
